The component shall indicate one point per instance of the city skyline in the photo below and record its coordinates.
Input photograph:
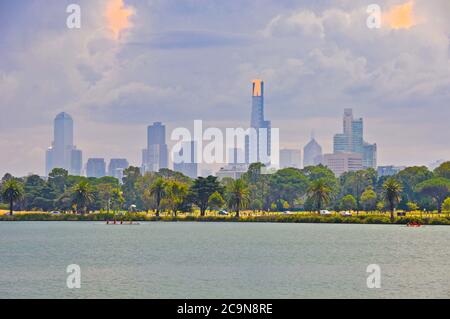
(318, 58)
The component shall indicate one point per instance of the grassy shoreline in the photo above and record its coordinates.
(274, 218)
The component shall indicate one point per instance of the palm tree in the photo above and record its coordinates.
(12, 191)
(158, 191)
(392, 190)
(83, 196)
(319, 192)
(117, 199)
(238, 195)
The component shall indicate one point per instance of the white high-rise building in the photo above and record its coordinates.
(63, 153)
(340, 163)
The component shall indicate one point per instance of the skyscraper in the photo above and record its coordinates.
(290, 158)
(254, 153)
(155, 156)
(96, 167)
(312, 153)
(352, 140)
(63, 153)
(184, 160)
(116, 167)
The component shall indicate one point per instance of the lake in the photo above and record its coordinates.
(223, 260)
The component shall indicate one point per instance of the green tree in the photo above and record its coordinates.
(409, 178)
(369, 199)
(319, 193)
(216, 201)
(437, 188)
(238, 196)
(412, 206)
(392, 190)
(356, 182)
(157, 191)
(105, 192)
(83, 196)
(446, 205)
(288, 185)
(348, 202)
(117, 199)
(57, 179)
(12, 191)
(176, 193)
(131, 193)
(202, 189)
(443, 170)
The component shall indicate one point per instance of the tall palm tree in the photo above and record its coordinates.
(12, 191)
(238, 195)
(117, 199)
(83, 196)
(158, 191)
(359, 182)
(392, 190)
(319, 192)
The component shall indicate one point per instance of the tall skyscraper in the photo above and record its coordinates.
(184, 160)
(290, 158)
(155, 156)
(116, 167)
(96, 167)
(254, 153)
(63, 153)
(312, 153)
(352, 140)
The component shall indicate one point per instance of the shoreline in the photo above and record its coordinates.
(295, 218)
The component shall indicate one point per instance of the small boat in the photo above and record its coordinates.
(122, 223)
(414, 225)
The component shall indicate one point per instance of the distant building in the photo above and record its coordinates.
(389, 170)
(255, 151)
(340, 163)
(352, 140)
(369, 155)
(232, 171)
(63, 153)
(96, 167)
(155, 156)
(116, 167)
(290, 158)
(185, 160)
(312, 153)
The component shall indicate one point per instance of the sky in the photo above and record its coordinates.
(135, 62)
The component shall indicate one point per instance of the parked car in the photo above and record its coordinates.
(223, 213)
(325, 212)
(346, 214)
(55, 213)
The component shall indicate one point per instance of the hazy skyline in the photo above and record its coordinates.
(179, 61)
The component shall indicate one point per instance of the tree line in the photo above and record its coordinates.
(313, 188)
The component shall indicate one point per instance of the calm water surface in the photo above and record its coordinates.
(222, 260)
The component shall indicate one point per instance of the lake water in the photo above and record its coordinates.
(222, 260)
